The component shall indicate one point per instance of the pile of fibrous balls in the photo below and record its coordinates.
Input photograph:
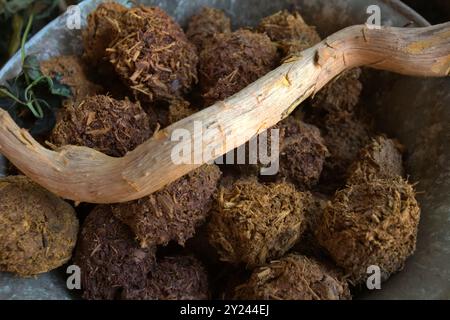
(338, 204)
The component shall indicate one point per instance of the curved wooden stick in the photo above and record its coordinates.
(83, 174)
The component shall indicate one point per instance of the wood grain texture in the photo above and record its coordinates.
(85, 175)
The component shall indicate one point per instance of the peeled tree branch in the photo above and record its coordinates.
(85, 175)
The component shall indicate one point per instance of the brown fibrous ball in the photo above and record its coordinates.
(38, 230)
(168, 114)
(340, 95)
(289, 31)
(111, 126)
(153, 56)
(296, 153)
(110, 259)
(173, 278)
(103, 28)
(231, 61)
(302, 153)
(314, 209)
(294, 277)
(205, 24)
(253, 223)
(372, 223)
(174, 212)
(381, 159)
(71, 71)
(344, 135)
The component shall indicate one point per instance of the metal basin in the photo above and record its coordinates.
(416, 111)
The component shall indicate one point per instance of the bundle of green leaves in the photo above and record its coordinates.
(31, 98)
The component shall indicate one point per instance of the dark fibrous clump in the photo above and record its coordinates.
(205, 24)
(103, 28)
(344, 128)
(382, 158)
(111, 126)
(231, 61)
(71, 71)
(314, 209)
(168, 114)
(173, 278)
(174, 212)
(253, 223)
(371, 223)
(38, 230)
(340, 95)
(302, 153)
(294, 277)
(289, 31)
(153, 56)
(110, 259)
(344, 135)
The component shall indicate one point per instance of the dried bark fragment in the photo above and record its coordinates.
(38, 230)
(110, 259)
(174, 212)
(153, 56)
(174, 278)
(205, 24)
(371, 223)
(294, 277)
(253, 223)
(111, 126)
(289, 31)
(231, 61)
(72, 72)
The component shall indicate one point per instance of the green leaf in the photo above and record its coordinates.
(32, 99)
(60, 89)
(31, 68)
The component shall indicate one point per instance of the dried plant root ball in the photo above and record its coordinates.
(71, 71)
(382, 158)
(38, 230)
(253, 223)
(302, 153)
(174, 212)
(110, 259)
(340, 95)
(372, 223)
(294, 277)
(231, 61)
(205, 24)
(290, 31)
(173, 278)
(111, 126)
(103, 28)
(153, 56)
